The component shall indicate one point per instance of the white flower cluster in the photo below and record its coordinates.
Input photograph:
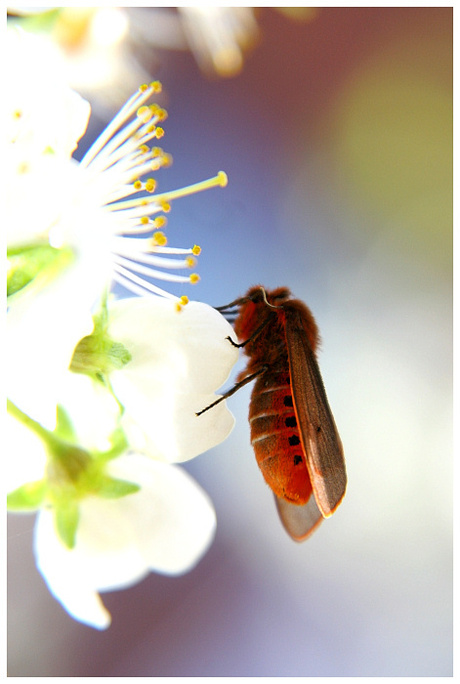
(103, 393)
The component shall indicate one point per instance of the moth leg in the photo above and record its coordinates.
(234, 389)
(256, 332)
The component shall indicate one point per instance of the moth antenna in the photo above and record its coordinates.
(264, 295)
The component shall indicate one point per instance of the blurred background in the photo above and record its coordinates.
(334, 126)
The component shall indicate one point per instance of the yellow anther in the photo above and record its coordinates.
(196, 250)
(144, 87)
(145, 149)
(150, 185)
(137, 185)
(166, 160)
(162, 114)
(190, 262)
(183, 301)
(144, 220)
(194, 278)
(160, 221)
(178, 307)
(17, 114)
(222, 178)
(166, 207)
(159, 239)
(151, 129)
(156, 86)
(144, 113)
(159, 133)
(156, 151)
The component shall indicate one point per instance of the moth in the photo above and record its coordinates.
(293, 432)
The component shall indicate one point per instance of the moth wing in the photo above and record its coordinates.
(318, 432)
(299, 521)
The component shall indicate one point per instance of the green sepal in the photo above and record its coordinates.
(28, 497)
(64, 427)
(119, 445)
(39, 22)
(67, 515)
(97, 354)
(31, 263)
(110, 488)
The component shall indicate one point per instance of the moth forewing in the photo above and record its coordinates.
(318, 432)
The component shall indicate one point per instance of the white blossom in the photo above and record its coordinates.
(110, 221)
(165, 527)
(180, 358)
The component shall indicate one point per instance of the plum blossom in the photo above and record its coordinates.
(87, 224)
(103, 394)
(135, 514)
(165, 527)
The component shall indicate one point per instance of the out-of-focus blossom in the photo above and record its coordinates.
(219, 36)
(93, 47)
(298, 13)
(44, 120)
(108, 50)
(97, 43)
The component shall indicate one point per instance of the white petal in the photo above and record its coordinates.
(191, 342)
(178, 518)
(36, 196)
(42, 331)
(44, 120)
(168, 429)
(56, 563)
(51, 114)
(178, 360)
(167, 526)
(92, 409)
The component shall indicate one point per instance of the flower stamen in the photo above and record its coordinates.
(115, 170)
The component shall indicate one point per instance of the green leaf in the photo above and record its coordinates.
(110, 488)
(28, 497)
(67, 515)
